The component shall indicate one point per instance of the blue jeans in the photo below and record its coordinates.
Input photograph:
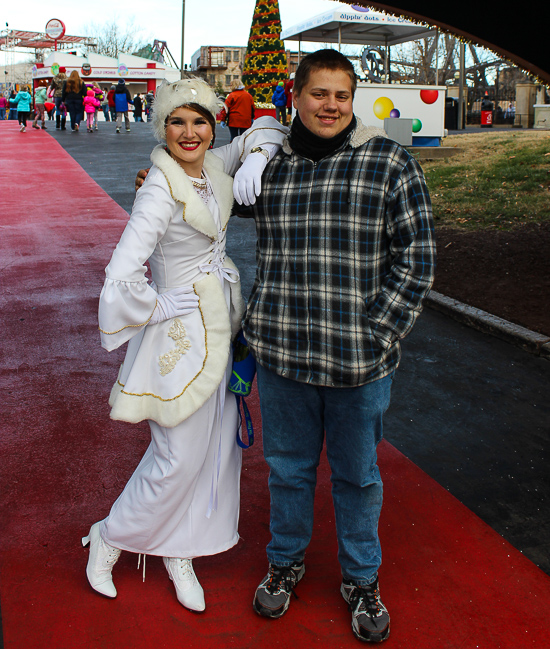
(295, 418)
(2, 113)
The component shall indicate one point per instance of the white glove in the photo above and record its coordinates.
(176, 302)
(247, 183)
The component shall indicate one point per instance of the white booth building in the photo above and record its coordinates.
(380, 104)
(141, 75)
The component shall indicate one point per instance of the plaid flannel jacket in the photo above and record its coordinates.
(345, 256)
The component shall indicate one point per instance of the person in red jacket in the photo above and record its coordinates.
(238, 110)
(111, 102)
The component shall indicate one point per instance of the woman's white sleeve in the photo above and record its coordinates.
(265, 132)
(127, 301)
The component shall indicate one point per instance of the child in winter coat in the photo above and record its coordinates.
(61, 116)
(278, 99)
(98, 93)
(40, 97)
(23, 102)
(91, 104)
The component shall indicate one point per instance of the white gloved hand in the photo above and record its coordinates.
(176, 302)
(247, 183)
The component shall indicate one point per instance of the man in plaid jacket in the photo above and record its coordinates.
(345, 257)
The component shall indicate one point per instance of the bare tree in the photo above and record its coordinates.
(418, 61)
(114, 39)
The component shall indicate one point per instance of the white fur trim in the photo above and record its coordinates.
(170, 96)
(181, 189)
(363, 134)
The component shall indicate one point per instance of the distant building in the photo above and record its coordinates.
(219, 65)
(12, 77)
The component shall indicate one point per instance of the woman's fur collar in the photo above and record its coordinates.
(195, 211)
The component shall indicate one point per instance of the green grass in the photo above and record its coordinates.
(500, 180)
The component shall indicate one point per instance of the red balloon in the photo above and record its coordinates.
(429, 96)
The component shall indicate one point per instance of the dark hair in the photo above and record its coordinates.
(323, 60)
(204, 113)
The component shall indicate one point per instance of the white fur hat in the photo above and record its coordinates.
(170, 96)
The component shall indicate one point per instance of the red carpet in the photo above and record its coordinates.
(448, 580)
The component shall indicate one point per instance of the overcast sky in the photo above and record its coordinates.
(207, 22)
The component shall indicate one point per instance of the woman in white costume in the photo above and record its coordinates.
(183, 499)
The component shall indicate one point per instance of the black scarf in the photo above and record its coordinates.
(311, 146)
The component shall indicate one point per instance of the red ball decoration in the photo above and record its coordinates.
(429, 96)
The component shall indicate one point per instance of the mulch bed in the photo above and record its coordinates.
(506, 274)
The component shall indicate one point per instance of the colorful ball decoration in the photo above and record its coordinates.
(395, 113)
(429, 96)
(382, 107)
(416, 125)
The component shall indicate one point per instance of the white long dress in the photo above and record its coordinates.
(183, 498)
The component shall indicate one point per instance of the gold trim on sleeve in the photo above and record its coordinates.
(110, 333)
(264, 128)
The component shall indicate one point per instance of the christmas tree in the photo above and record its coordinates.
(265, 62)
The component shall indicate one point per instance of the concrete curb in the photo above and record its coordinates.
(528, 340)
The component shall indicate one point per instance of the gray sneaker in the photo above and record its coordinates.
(370, 620)
(273, 594)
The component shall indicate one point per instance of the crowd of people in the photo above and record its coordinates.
(71, 97)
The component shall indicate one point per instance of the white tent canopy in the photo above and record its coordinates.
(351, 26)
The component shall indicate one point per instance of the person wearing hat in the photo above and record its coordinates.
(122, 98)
(278, 99)
(183, 499)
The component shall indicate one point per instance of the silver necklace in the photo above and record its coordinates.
(202, 187)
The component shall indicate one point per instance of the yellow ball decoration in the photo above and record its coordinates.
(382, 107)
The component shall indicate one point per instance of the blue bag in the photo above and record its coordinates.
(240, 383)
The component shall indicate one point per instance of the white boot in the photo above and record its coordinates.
(189, 591)
(101, 560)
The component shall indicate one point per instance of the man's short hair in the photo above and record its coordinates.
(319, 60)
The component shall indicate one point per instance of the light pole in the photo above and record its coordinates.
(182, 36)
(461, 81)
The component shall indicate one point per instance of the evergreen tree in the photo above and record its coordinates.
(265, 62)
